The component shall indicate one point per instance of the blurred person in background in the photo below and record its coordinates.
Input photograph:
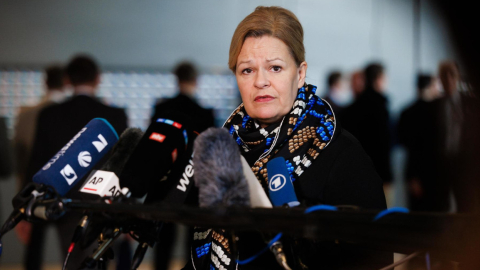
(6, 157)
(202, 119)
(56, 125)
(368, 120)
(357, 83)
(452, 110)
(27, 120)
(338, 96)
(416, 131)
(24, 133)
(185, 102)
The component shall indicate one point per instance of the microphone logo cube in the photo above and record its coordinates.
(84, 159)
(277, 182)
(69, 174)
(100, 145)
(102, 183)
(157, 137)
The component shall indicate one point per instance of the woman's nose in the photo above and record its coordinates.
(261, 79)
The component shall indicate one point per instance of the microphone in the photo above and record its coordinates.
(63, 171)
(282, 193)
(218, 170)
(224, 178)
(164, 141)
(105, 182)
(164, 145)
(78, 156)
(280, 186)
(221, 183)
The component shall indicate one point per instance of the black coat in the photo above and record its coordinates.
(418, 133)
(57, 124)
(200, 117)
(368, 120)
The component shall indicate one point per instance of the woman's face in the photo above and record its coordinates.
(268, 78)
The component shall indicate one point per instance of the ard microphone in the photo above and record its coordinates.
(280, 186)
(105, 182)
(282, 193)
(78, 156)
(218, 170)
(162, 143)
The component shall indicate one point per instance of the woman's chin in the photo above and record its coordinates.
(266, 120)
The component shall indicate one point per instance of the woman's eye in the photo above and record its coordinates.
(246, 71)
(276, 68)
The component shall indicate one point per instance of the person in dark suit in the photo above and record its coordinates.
(416, 131)
(201, 119)
(184, 102)
(56, 125)
(368, 120)
(454, 117)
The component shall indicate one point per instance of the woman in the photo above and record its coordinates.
(282, 117)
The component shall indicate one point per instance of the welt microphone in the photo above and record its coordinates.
(65, 169)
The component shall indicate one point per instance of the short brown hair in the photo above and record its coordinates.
(82, 69)
(272, 21)
(54, 77)
(186, 72)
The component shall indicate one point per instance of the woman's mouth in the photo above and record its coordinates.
(265, 98)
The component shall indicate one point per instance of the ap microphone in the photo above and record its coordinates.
(164, 141)
(105, 182)
(280, 186)
(78, 156)
(101, 183)
(218, 170)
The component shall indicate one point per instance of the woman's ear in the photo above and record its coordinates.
(302, 72)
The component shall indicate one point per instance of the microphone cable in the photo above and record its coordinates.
(276, 247)
(77, 234)
(270, 244)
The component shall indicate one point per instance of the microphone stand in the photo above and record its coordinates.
(98, 258)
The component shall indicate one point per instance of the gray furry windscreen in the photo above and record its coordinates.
(218, 170)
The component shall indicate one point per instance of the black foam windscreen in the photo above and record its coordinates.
(164, 141)
(122, 150)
